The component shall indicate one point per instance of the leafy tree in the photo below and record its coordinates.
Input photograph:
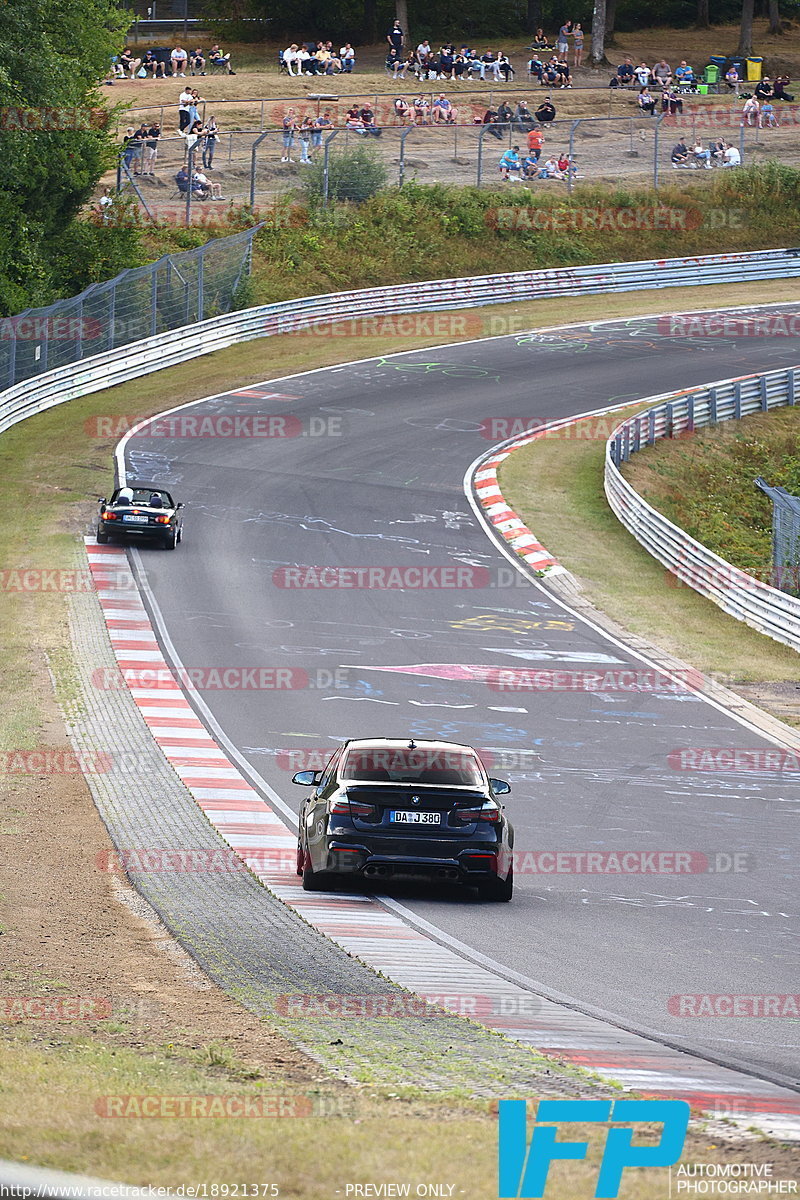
(54, 133)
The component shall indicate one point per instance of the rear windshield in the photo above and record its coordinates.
(383, 764)
(144, 496)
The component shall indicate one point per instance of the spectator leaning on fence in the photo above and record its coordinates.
(151, 149)
(289, 125)
(185, 101)
(210, 137)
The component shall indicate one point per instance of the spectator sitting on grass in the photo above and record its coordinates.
(546, 112)
(550, 73)
(540, 42)
(733, 79)
(564, 77)
(781, 84)
(536, 67)
(443, 111)
(662, 73)
(646, 102)
(510, 164)
(671, 102)
(550, 170)
(750, 111)
(566, 165)
(217, 58)
(523, 118)
(768, 120)
(680, 154)
(491, 119)
(530, 165)
(717, 149)
(764, 89)
(153, 65)
(129, 63)
(731, 157)
(625, 73)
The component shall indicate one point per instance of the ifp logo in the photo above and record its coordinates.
(523, 1168)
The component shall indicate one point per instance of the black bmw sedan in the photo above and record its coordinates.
(387, 809)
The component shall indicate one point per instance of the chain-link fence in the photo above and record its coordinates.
(177, 290)
(785, 537)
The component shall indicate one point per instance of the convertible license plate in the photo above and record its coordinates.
(134, 520)
(416, 818)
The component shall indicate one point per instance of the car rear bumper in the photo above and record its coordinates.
(469, 865)
(113, 528)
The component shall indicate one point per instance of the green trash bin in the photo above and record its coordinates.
(754, 66)
(711, 74)
(702, 89)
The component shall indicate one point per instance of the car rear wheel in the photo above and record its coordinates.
(498, 889)
(102, 537)
(171, 540)
(314, 881)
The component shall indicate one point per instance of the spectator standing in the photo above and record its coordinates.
(562, 42)
(151, 149)
(306, 132)
(129, 146)
(289, 124)
(321, 123)
(184, 109)
(210, 139)
(577, 45)
(395, 37)
(178, 60)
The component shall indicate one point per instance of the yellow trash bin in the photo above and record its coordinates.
(754, 69)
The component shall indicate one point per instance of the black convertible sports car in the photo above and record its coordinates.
(391, 809)
(141, 510)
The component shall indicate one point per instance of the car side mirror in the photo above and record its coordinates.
(102, 500)
(500, 787)
(179, 504)
(307, 778)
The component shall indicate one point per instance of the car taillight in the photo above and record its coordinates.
(162, 520)
(350, 808)
(487, 812)
(109, 516)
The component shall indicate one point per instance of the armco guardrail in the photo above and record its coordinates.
(168, 349)
(741, 595)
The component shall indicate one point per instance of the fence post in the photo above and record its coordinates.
(201, 284)
(572, 129)
(112, 315)
(154, 300)
(741, 143)
(659, 119)
(80, 326)
(402, 174)
(256, 144)
(326, 163)
(261, 119)
(481, 136)
(189, 188)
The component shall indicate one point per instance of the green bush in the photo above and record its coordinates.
(353, 175)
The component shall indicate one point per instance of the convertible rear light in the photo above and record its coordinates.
(108, 516)
(487, 812)
(162, 520)
(350, 808)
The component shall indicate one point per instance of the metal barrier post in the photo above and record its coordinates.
(741, 143)
(481, 136)
(201, 284)
(572, 129)
(402, 174)
(256, 144)
(190, 183)
(154, 301)
(326, 164)
(659, 119)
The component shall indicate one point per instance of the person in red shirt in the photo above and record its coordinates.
(535, 143)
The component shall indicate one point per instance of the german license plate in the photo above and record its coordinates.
(134, 520)
(404, 817)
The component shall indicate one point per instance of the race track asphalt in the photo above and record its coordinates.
(375, 479)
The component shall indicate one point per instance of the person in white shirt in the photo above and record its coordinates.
(185, 102)
(178, 59)
(290, 56)
(750, 111)
(347, 56)
(424, 49)
(731, 157)
(643, 74)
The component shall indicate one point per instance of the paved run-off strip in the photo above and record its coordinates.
(372, 932)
